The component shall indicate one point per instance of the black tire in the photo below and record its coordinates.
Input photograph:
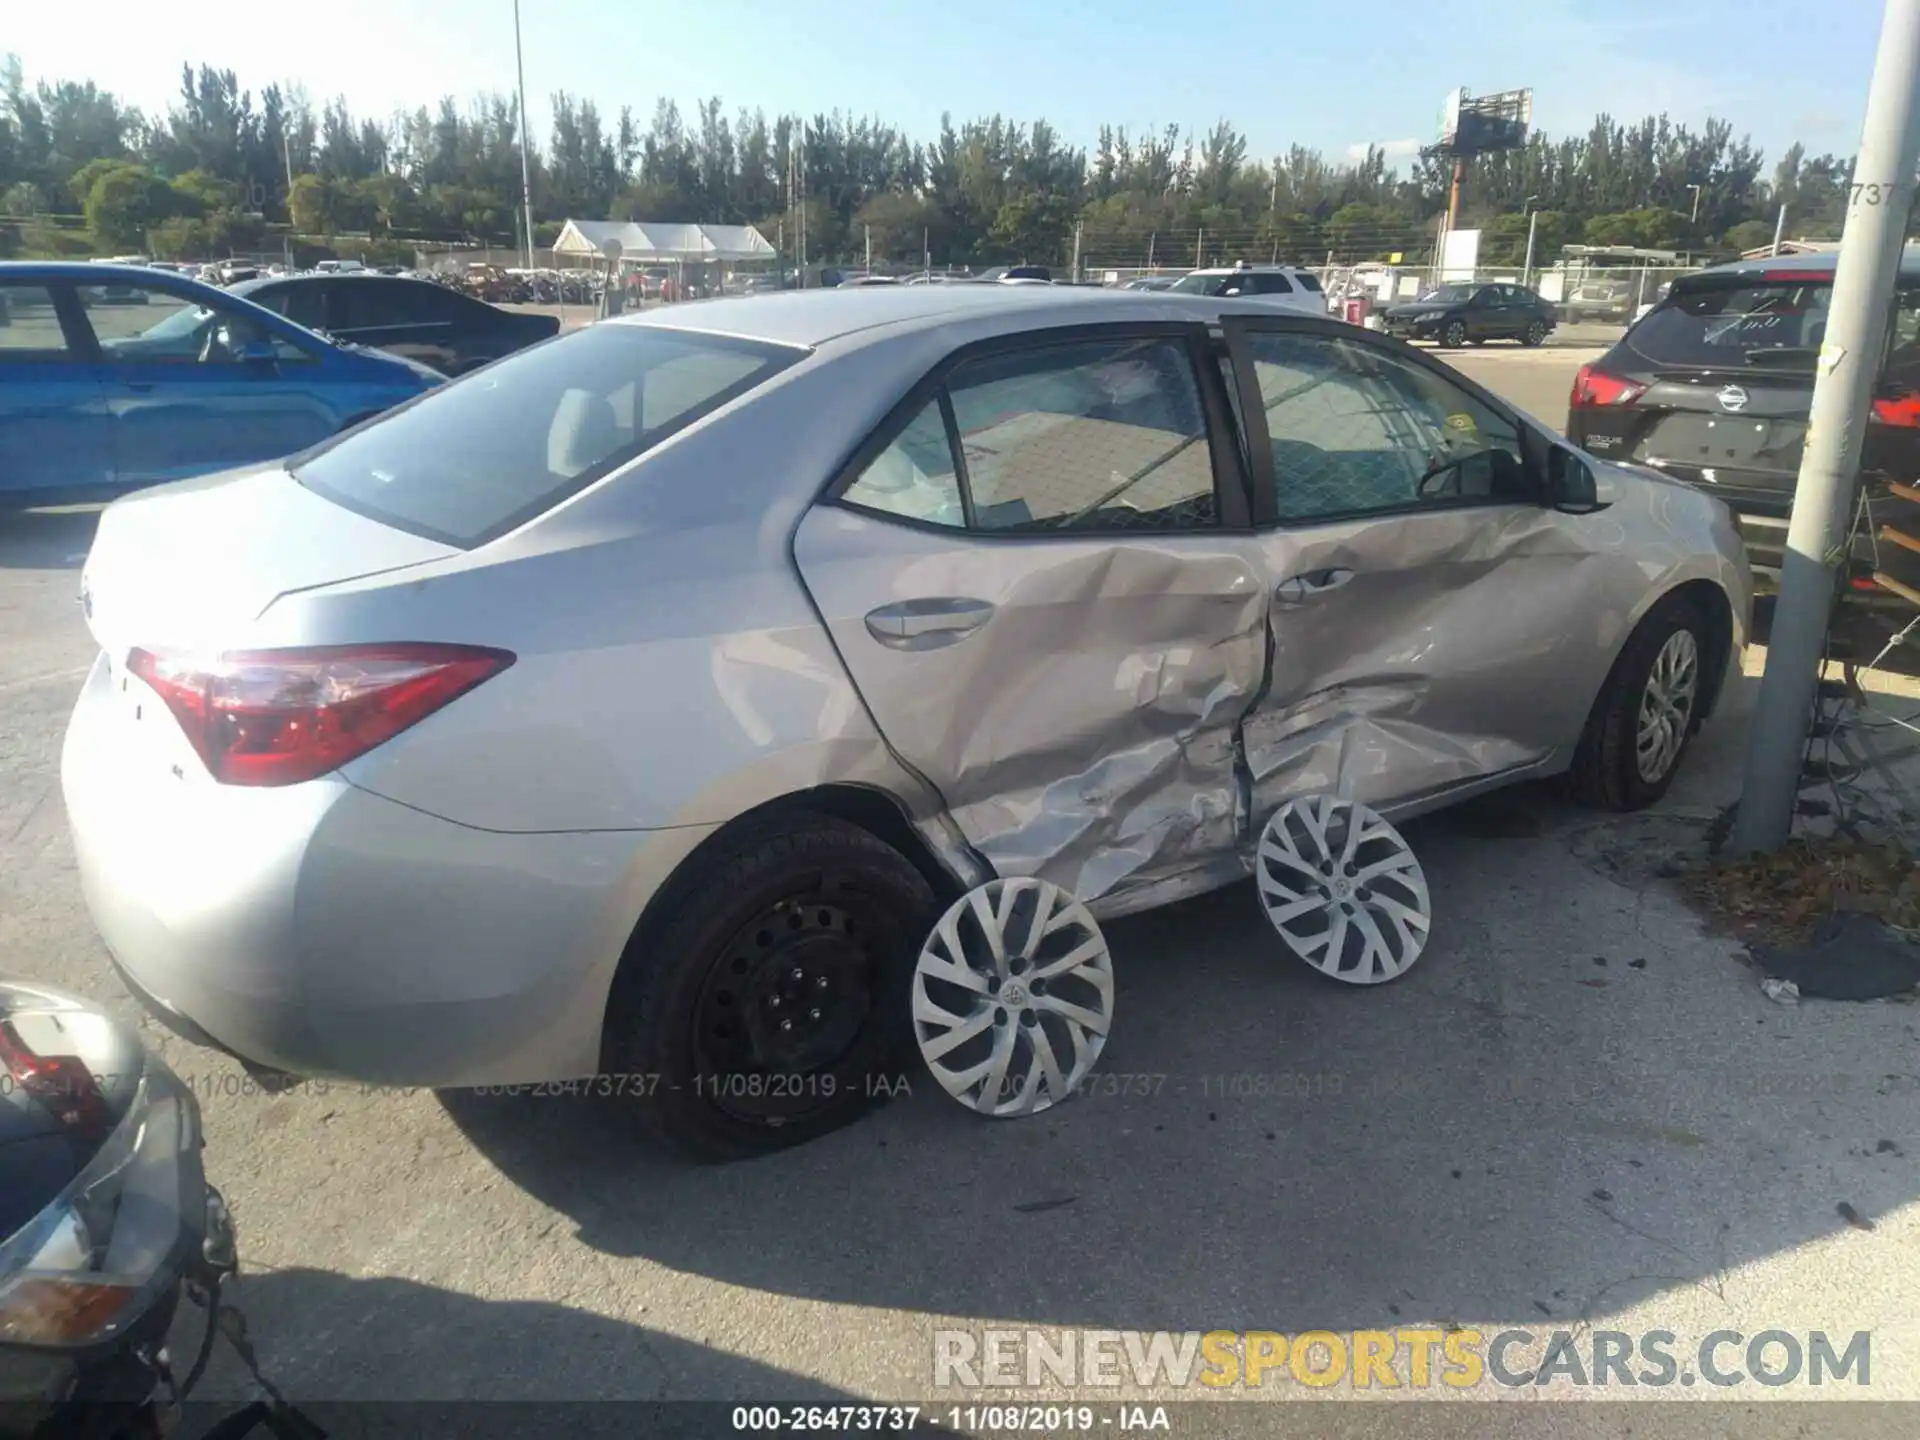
(798, 889)
(1453, 334)
(1606, 771)
(1535, 335)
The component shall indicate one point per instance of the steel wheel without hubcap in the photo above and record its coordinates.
(1343, 890)
(1013, 997)
(1454, 336)
(1536, 333)
(1666, 706)
(778, 1015)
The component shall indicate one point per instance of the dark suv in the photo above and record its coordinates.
(1714, 386)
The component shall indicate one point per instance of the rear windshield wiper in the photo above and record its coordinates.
(1783, 355)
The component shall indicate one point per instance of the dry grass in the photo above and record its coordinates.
(1779, 898)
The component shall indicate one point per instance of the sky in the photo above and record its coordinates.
(1320, 75)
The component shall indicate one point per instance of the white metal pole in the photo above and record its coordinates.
(1880, 200)
(1526, 270)
(1076, 252)
(1779, 230)
(869, 230)
(526, 164)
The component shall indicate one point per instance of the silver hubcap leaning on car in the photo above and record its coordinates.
(1013, 997)
(1666, 706)
(1343, 889)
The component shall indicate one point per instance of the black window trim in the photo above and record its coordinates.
(1534, 445)
(780, 356)
(1232, 494)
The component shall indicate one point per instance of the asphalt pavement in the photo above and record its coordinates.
(1578, 1111)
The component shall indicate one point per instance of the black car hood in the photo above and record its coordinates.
(68, 1073)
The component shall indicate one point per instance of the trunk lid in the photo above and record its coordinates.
(192, 565)
(1739, 430)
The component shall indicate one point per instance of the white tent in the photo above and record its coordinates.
(654, 241)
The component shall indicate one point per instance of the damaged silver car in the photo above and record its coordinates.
(623, 715)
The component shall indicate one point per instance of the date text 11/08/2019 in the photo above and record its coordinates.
(236, 1085)
(978, 1419)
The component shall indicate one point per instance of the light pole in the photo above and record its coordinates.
(1533, 224)
(526, 164)
(1696, 203)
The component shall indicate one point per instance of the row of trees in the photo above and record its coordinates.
(222, 165)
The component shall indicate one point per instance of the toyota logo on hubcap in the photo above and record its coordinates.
(1732, 398)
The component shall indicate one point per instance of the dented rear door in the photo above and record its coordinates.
(1423, 605)
(1041, 578)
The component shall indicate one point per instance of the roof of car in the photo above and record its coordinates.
(83, 272)
(1243, 269)
(1819, 262)
(813, 317)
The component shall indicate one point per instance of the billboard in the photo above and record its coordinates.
(1484, 125)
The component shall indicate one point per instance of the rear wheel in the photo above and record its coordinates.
(1535, 334)
(1454, 334)
(772, 1006)
(1644, 717)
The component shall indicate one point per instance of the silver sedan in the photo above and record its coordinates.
(630, 708)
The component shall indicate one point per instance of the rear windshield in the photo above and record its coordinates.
(1773, 324)
(474, 460)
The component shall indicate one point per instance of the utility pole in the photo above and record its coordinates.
(286, 146)
(1453, 192)
(869, 230)
(1533, 226)
(1779, 230)
(1076, 251)
(1696, 203)
(1820, 529)
(526, 165)
(1273, 203)
(1152, 235)
(926, 251)
(1199, 247)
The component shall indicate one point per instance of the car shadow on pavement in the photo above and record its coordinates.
(46, 539)
(1577, 1101)
(387, 1356)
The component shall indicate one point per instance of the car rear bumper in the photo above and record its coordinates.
(319, 929)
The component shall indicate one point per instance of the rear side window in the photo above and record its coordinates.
(472, 461)
(1775, 324)
(30, 327)
(1307, 281)
(1266, 282)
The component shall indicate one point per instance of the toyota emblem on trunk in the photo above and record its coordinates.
(1732, 398)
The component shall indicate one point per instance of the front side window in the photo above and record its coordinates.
(1358, 430)
(1089, 436)
(474, 460)
(144, 324)
(30, 325)
(1201, 284)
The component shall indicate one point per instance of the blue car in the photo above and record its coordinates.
(116, 376)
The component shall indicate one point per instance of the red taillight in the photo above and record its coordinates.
(1596, 387)
(278, 717)
(1902, 410)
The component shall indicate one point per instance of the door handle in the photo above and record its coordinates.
(927, 624)
(1298, 589)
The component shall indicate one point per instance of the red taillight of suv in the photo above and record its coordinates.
(1901, 410)
(278, 717)
(1596, 387)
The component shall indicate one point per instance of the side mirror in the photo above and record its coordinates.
(1571, 485)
